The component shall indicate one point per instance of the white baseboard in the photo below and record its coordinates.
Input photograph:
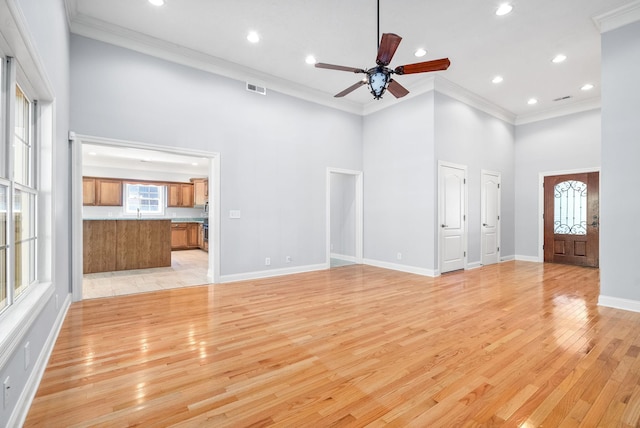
(21, 411)
(271, 273)
(344, 257)
(507, 258)
(474, 265)
(618, 303)
(528, 259)
(402, 268)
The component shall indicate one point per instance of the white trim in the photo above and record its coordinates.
(402, 268)
(575, 107)
(541, 177)
(619, 17)
(359, 213)
(271, 273)
(521, 258)
(344, 257)
(619, 303)
(473, 265)
(507, 258)
(76, 229)
(19, 416)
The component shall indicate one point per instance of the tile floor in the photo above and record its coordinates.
(188, 268)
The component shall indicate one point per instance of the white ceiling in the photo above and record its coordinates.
(519, 46)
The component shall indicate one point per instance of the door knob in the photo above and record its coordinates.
(484, 224)
(443, 225)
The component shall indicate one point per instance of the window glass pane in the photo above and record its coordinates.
(3, 246)
(22, 139)
(570, 208)
(144, 199)
(24, 225)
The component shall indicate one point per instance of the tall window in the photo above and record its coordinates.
(18, 194)
(144, 199)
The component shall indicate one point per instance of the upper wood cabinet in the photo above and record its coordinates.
(200, 191)
(180, 195)
(101, 191)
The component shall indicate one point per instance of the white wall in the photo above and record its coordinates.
(399, 185)
(468, 136)
(274, 149)
(619, 204)
(560, 144)
(48, 34)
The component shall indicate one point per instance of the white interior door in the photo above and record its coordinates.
(452, 216)
(490, 217)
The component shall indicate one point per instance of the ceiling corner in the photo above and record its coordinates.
(618, 17)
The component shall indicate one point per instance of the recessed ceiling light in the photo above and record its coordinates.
(497, 79)
(253, 37)
(420, 53)
(587, 87)
(532, 101)
(559, 58)
(310, 59)
(157, 2)
(504, 9)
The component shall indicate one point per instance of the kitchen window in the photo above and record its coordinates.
(144, 199)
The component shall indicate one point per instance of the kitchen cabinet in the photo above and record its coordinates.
(185, 236)
(113, 245)
(101, 191)
(200, 191)
(180, 195)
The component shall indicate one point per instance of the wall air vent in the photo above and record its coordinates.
(566, 97)
(257, 89)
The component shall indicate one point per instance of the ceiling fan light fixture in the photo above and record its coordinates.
(378, 81)
(504, 9)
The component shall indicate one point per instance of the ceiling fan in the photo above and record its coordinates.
(379, 77)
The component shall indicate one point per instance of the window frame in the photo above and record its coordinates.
(162, 197)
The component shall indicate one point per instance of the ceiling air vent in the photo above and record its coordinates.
(257, 89)
(566, 97)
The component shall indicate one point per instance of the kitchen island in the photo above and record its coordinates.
(113, 245)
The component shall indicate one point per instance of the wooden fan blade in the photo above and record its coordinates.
(423, 67)
(350, 89)
(387, 49)
(339, 67)
(396, 89)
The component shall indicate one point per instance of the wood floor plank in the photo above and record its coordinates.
(514, 344)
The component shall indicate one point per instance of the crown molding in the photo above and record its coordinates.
(576, 107)
(618, 17)
(102, 31)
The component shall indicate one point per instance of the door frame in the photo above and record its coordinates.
(482, 202)
(359, 216)
(76, 141)
(440, 220)
(541, 177)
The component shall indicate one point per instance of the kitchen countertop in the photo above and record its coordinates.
(173, 219)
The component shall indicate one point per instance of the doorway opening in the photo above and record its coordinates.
(204, 265)
(344, 216)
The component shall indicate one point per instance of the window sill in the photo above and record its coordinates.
(18, 319)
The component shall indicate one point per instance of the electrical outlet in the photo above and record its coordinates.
(267, 261)
(399, 256)
(27, 355)
(6, 385)
(288, 259)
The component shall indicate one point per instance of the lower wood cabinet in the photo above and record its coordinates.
(112, 245)
(185, 236)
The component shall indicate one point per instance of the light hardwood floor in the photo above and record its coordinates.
(188, 268)
(515, 344)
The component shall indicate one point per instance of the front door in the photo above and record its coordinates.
(571, 219)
